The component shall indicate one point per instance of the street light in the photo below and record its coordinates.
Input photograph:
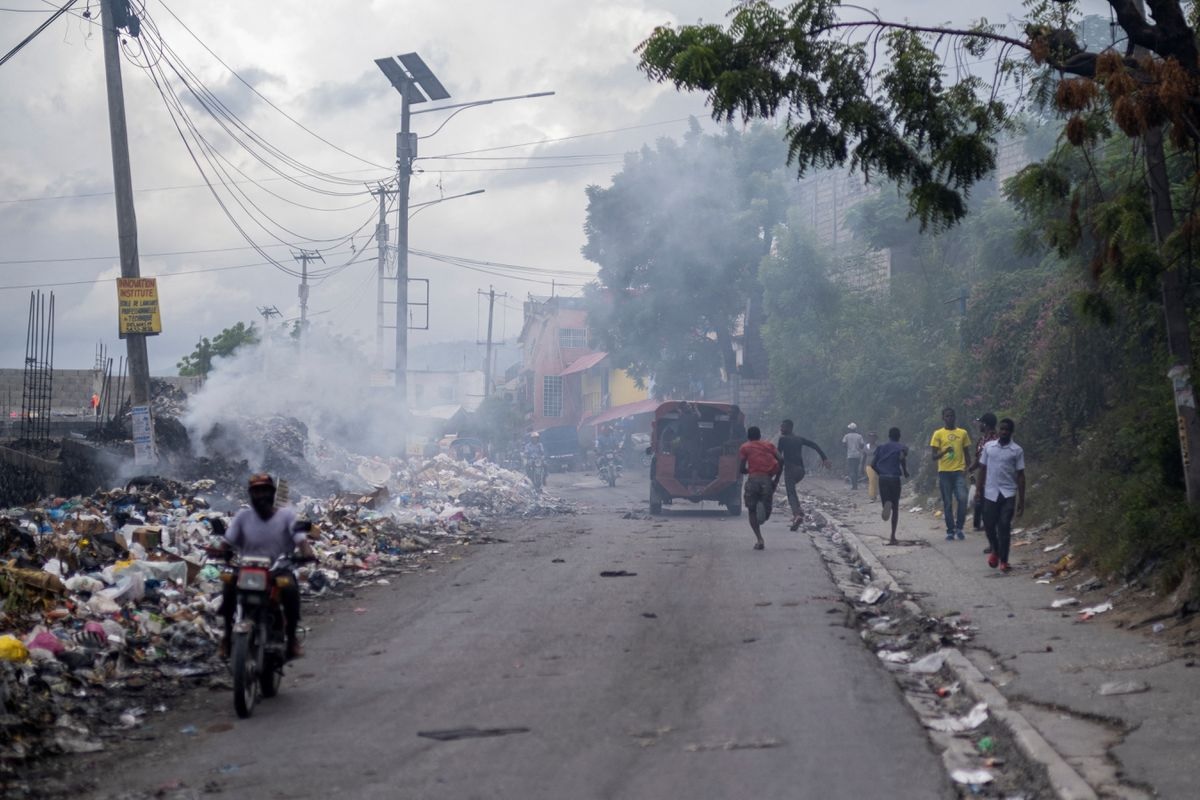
(420, 206)
(413, 79)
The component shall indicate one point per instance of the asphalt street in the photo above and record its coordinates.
(714, 671)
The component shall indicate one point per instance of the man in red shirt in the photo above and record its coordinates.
(763, 464)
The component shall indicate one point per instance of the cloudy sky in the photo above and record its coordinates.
(314, 61)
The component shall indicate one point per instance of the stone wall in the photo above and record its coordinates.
(753, 395)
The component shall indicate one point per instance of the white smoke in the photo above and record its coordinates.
(325, 384)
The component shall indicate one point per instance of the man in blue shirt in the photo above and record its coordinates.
(890, 462)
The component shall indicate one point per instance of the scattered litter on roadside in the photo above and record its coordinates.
(872, 595)
(617, 573)
(930, 664)
(1053, 547)
(1123, 687)
(986, 745)
(1087, 613)
(972, 777)
(969, 721)
(649, 615)
(895, 656)
(453, 734)
(558, 561)
(948, 691)
(915, 510)
(1158, 627)
(1064, 602)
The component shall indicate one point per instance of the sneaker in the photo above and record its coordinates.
(758, 545)
(959, 533)
(887, 510)
(949, 536)
(987, 550)
(1004, 567)
(993, 561)
(796, 522)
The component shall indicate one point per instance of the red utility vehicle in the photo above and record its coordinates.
(694, 454)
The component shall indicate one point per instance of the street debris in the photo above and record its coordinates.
(969, 721)
(930, 664)
(751, 744)
(871, 595)
(971, 777)
(617, 573)
(107, 598)
(1087, 613)
(1053, 547)
(1064, 602)
(1123, 687)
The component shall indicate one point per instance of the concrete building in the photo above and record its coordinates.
(428, 388)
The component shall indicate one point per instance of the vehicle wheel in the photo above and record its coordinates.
(655, 502)
(270, 679)
(245, 674)
(612, 479)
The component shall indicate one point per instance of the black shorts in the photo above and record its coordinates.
(889, 490)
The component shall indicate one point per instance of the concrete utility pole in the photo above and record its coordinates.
(304, 257)
(381, 241)
(487, 378)
(116, 14)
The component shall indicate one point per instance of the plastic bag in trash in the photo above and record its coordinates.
(12, 649)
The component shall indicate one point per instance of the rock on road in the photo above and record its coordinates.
(716, 671)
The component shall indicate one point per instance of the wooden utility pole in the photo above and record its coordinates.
(115, 14)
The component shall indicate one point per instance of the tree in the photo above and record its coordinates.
(875, 94)
(678, 236)
(199, 362)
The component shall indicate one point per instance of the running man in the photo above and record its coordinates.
(854, 449)
(791, 447)
(761, 462)
(890, 462)
(1002, 475)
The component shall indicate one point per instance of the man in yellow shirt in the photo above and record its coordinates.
(949, 448)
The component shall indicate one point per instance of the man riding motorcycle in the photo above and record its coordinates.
(269, 532)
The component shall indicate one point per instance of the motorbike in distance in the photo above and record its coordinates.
(258, 647)
(535, 470)
(609, 467)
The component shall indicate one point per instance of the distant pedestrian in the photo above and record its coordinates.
(868, 471)
(1002, 475)
(95, 402)
(890, 462)
(761, 462)
(791, 447)
(987, 433)
(854, 449)
(948, 448)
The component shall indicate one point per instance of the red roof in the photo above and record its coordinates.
(627, 410)
(584, 363)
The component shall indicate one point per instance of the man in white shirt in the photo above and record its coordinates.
(1002, 476)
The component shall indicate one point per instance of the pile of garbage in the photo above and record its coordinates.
(108, 604)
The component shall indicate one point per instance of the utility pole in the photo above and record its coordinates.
(304, 257)
(488, 366)
(116, 14)
(1175, 314)
(381, 240)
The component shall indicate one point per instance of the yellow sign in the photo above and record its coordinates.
(137, 306)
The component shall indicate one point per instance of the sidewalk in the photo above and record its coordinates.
(1047, 663)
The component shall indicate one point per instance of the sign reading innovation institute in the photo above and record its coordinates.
(137, 306)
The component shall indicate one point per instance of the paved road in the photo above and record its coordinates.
(716, 671)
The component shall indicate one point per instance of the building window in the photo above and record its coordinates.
(572, 338)
(552, 396)
(447, 394)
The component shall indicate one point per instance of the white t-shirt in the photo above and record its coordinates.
(271, 538)
(1003, 462)
(854, 444)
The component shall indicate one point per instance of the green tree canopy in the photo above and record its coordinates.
(199, 361)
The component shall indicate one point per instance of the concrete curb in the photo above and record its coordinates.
(1066, 782)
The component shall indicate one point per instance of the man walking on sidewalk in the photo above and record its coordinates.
(791, 447)
(854, 446)
(890, 462)
(761, 462)
(987, 433)
(1002, 476)
(948, 448)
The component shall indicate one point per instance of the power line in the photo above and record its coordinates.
(519, 169)
(558, 139)
(36, 31)
(162, 275)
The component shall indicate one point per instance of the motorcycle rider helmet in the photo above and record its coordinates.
(261, 480)
(535, 436)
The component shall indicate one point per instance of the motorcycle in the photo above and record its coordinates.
(609, 468)
(535, 470)
(259, 644)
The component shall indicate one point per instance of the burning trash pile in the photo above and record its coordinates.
(109, 605)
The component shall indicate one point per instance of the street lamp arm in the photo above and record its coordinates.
(461, 107)
(422, 206)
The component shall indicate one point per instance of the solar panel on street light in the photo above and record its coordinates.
(400, 79)
(423, 76)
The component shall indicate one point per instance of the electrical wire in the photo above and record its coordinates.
(520, 169)
(558, 139)
(36, 32)
(160, 275)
